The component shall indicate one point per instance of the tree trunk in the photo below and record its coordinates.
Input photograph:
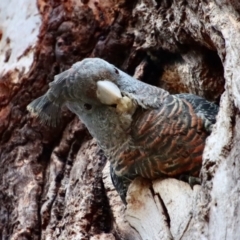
(53, 183)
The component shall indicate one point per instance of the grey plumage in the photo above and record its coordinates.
(143, 130)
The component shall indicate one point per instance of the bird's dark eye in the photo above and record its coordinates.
(114, 105)
(87, 106)
(116, 71)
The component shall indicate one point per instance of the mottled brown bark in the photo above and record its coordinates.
(51, 184)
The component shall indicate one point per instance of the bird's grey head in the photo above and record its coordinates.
(92, 74)
(85, 80)
(92, 89)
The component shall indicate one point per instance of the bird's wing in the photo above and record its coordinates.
(63, 86)
(48, 106)
(168, 141)
(202, 107)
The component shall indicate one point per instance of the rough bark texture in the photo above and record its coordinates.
(52, 182)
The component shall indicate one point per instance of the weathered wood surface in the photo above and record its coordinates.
(51, 181)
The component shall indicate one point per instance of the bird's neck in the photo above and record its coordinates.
(147, 96)
(109, 129)
(111, 142)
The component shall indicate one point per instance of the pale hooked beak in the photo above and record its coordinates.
(108, 92)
